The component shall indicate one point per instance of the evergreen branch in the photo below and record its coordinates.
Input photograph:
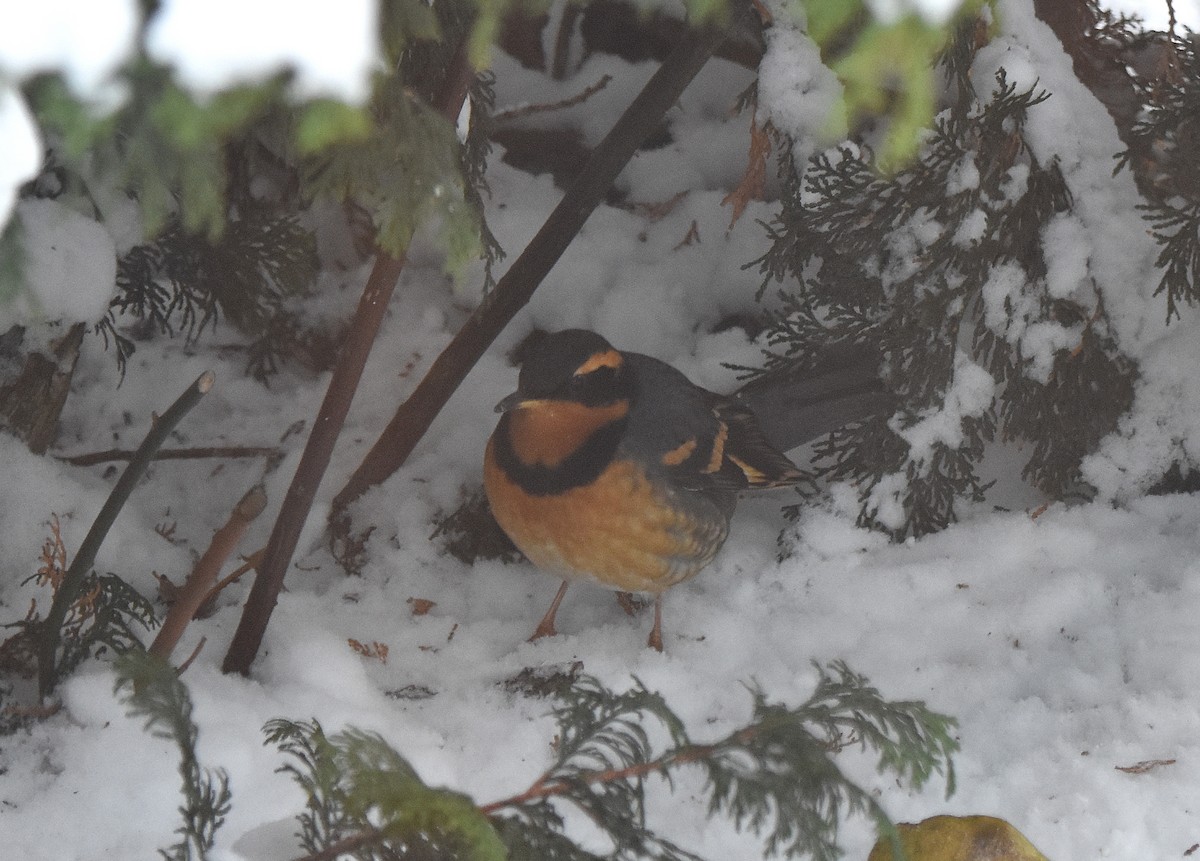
(49, 670)
(774, 775)
(362, 793)
(324, 821)
(151, 689)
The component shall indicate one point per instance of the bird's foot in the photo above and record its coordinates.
(655, 642)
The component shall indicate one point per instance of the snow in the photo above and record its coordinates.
(800, 95)
(70, 266)
(1064, 642)
(332, 47)
(969, 395)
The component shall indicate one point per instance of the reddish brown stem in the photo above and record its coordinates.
(192, 594)
(252, 561)
(346, 845)
(543, 788)
(313, 463)
(516, 287)
(332, 416)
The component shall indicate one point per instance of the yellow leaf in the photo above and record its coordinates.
(959, 838)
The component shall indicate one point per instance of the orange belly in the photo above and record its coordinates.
(617, 531)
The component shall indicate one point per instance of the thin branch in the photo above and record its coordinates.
(219, 451)
(372, 307)
(252, 561)
(516, 287)
(68, 590)
(530, 110)
(199, 583)
(542, 788)
(195, 654)
(345, 845)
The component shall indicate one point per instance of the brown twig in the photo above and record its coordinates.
(192, 594)
(120, 454)
(547, 788)
(530, 110)
(252, 561)
(195, 654)
(345, 846)
(332, 416)
(518, 284)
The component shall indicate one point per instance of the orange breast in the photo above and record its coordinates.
(618, 531)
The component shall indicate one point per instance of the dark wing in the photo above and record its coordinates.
(702, 441)
(748, 451)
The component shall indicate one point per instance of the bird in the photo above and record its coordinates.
(613, 468)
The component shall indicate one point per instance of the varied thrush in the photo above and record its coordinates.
(613, 468)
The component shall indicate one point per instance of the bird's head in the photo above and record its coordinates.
(574, 366)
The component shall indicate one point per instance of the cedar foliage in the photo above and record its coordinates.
(108, 615)
(775, 776)
(151, 689)
(943, 266)
(1164, 153)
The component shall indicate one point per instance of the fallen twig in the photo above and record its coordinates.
(219, 451)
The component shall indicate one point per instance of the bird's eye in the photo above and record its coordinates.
(593, 387)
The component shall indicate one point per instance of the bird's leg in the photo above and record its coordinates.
(655, 641)
(545, 627)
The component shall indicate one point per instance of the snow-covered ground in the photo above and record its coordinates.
(1065, 644)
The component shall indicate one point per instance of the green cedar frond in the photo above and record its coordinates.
(774, 776)
(363, 794)
(324, 820)
(151, 689)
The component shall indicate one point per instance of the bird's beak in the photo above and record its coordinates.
(510, 403)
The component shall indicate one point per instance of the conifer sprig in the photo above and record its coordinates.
(1163, 156)
(943, 269)
(365, 800)
(775, 776)
(151, 688)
